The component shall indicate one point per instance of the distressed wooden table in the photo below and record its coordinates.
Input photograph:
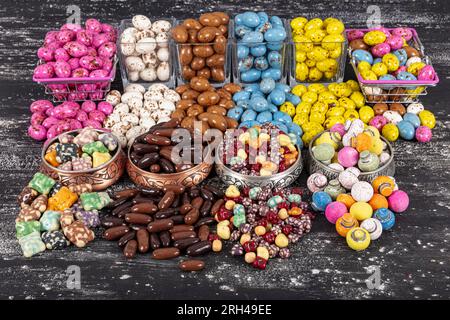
(413, 259)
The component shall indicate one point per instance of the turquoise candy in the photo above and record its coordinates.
(274, 201)
(94, 200)
(386, 217)
(31, 244)
(406, 130)
(41, 183)
(50, 220)
(24, 228)
(294, 198)
(238, 220)
(238, 210)
(254, 192)
(98, 146)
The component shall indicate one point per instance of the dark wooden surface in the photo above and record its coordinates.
(413, 258)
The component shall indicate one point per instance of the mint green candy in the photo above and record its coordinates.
(238, 209)
(294, 198)
(254, 192)
(274, 201)
(238, 219)
(98, 146)
(94, 200)
(24, 228)
(41, 183)
(50, 220)
(31, 244)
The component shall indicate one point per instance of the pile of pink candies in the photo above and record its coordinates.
(48, 121)
(77, 52)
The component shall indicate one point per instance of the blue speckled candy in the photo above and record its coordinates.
(283, 87)
(261, 63)
(251, 76)
(235, 113)
(362, 55)
(282, 117)
(295, 100)
(259, 104)
(245, 64)
(272, 108)
(248, 115)
(252, 87)
(277, 97)
(276, 21)
(320, 200)
(272, 73)
(242, 51)
(386, 217)
(406, 130)
(250, 19)
(265, 116)
(258, 50)
(253, 37)
(401, 56)
(406, 76)
(280, 126)
(295, 129)
(238, 209)
(241, 95)
(413, 119)
(274, 58)
(241, 30)
(249, 124)
(295, 198)
(275, 34)
(267, 85)
(244, 104)
(254, 192)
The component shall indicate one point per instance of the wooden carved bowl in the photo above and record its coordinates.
(187, 178)
(100, 177)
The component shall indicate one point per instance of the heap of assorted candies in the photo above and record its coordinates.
(351, 146)
(359, 209)
(384, 54)
(409, 122)
(64, 215)
(260, 150)
(258, 104)
(78, 52)
(48, 121)
(260, 46)
(263, 222)
(319, 107)
(318, 46)
(82, 151)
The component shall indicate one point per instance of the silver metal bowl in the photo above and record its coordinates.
(314, 165)
(282, 179)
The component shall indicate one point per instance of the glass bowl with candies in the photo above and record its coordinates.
(318, 50)
(352, 147)
(84, 156)
(390, 64)
(260, 155)
(259, 47)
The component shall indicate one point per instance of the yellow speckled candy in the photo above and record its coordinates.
(300, 56)
(364, 66)
(309, 97)
(301, 71)
(369, 75)
(358, 98)
(341, 90)
(347, 103)
(335, 27)
(315, 35)
(331, 121)
(299, 90)
(366, 113)
(288, 108)
(303, 107)
(315, 23)
(319, 106)
(317, 117)
(390, 132)
(380, 69)
(317, 88)
(374, 37)
(337, 52)
(335, 112)
(326, 95)
(327, 65)
(332, 42)
(353, 85)
(351, 114)
(377, 146)
(427, 119)
(298, 23)
(301, 118)
(391, 61)
(414, 68)
(302, 43)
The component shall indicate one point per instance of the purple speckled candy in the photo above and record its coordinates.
(395, 42)
(88, 106)
(89, 218)
(427, 73)
(423, 134)
(381, 49)
(348, 157)
(105, 107)
(339, 128)
(398, 201)
(378, 122)
(334, 211)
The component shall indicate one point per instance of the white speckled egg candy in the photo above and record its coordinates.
(160, 26)
(172, 95)
(415, 108)
(392, 116)
(141, 22)
(163, 54)
(163, 71)
(146, 45)
(166, 105)
(148, 74)
(135, 87)
(133, 63)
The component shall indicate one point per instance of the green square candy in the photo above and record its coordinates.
(98, 146)
(24, 228)
(41, 183)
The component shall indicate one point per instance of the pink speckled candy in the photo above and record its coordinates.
(355, 34)
(61, 54)
(71, 26)
(97, 115)
(395, 42)
(88, 106)
(378, 122)
(405, 33)
(334, 211)
(380, 50)
(62, 69)
(93, 25)
(107, 50)
(81, 116)
(37, 132)
(40, 106)
(339, 128)
(100, 39)
(44, 71)
(65, 36)
(398, 201)
(92, 123)
(45, 54)
(49, 122)
(75, 124)
(105, 107)
(76, 49)
(74, 63)
(38, 118)
(80, 73)
(348, 157)
(84, 37)
(423, 134)
(427, 73)
(91, 62)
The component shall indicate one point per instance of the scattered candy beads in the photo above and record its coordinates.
(318, 47)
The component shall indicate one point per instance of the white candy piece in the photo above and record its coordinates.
(166, 105)
(147, 123)
(164, 119)
(172, 95)
(150, 59)
(133, 63)
(146, 45)
(135, 103)
(336, 166)
(161, 26)
(373, 226)
(127, 48)
(131, 119)
(163, 54)
(111, 120)
(362, 191)
(135, 87)
(392, 116)
(121, 109)
(113, 97)
(141, 22)
(153, 95)
(415, 108)
(162, 39)
(148, 74)
(133, 76)
(131, 94)
(163, 71)
(121, 127)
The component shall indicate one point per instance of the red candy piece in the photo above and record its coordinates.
(224, 214)
(245, 191)
(212, 237)
(272, 217)
(284, 205)
(269, 237)
(249, 246)
(259, 263)
(262, 222)
(286, 229)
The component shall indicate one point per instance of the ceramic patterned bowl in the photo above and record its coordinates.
(100, 177)
(314, 165)
(282, 179)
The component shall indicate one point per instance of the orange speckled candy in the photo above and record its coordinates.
(378, 201)
(50, 157)
(345, 223)
(62, 200)
(346, 199)
(362, 142)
